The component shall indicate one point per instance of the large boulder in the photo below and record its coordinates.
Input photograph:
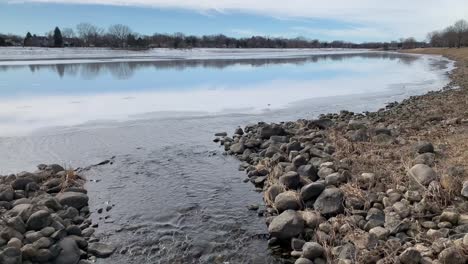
(330, 202)
(421, 175)
(287, 225)
(77, 200)
(287, 200)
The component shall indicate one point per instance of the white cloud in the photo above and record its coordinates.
(393, 18)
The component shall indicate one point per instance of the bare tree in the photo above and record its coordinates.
(120, 34)
(460, 28)
(68, 33)
(89, 33)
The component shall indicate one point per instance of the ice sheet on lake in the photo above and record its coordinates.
(29, 56)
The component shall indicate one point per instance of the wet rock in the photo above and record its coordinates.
(74, 199)
(290, 180)
(287, 225)
(312, 250)
(421, 175)
(330, 202)
(287, 201)
(312, 191)
(101, 250)
(221, 134)
(424, 147)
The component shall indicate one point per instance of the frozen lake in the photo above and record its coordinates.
(178, 200)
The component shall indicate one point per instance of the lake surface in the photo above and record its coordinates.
(177, 198)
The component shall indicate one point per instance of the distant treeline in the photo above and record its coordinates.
(454, 36)
(121, 36)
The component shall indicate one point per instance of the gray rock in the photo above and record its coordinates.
(324, 172)
(47, 231)
(74, 199)
(452, 255)
(464, 191)
(287, 201)
(298, 161)
(54, 168)
(20, 183)
(330, 202)
(312, 190)
(11, 255)
(100, 250)
(22, 210)
(410, 256)
(307, 171)
(424, 147)
(312, 219)
(17, 223)
(39, 220)
(312, 250)
(70, 253)
(237, 148)
(451, 217)
(15, 243)
(297, 244)
(421, 175)
(7, 194)
(425, 158)
(303, 261)
(380, 232)
(273, 191)
(43, 255)
(290, 179)
(43, 242)
(287, 225)
(335, 179)
(266, 131)
(221, 134)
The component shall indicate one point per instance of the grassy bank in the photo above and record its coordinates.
(389, 186)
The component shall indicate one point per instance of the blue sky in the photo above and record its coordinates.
(361, 21)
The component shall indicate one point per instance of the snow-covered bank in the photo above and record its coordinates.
(10, 56)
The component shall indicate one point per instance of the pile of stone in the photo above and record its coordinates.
(44, 219)
(319, 212)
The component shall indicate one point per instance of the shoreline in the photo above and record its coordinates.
(367, 188)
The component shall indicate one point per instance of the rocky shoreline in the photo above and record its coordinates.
(389, 186)
(44, 218)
